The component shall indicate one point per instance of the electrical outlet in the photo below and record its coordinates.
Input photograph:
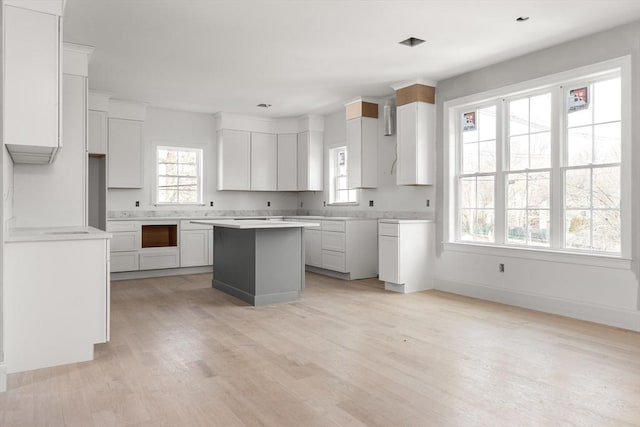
(324, 203)
(371, 203)
(428, 202)
(137, 203)
(501, 268)
(301, 204)
(268, 203)
(211, 203)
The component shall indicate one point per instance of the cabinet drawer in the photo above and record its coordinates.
(154, 259)
(115, 226)
(386, 229)
(333, 226)
(124, 261)
(333, 241)
(335, 261)
(125, 241)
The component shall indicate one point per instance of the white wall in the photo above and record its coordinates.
(179, 128)
(603, 294)
(388, 197)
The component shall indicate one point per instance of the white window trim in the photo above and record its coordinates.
(330, 178)
(178, 146)
(450, 157)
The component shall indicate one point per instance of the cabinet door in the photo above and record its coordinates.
(211, 257)
(354, 153)
(416, 144)
(31, 78)
(234, 159)
(313, 247)
(287, 162)
(125, 153)
(264, 161)
(388, 259)
(310, 161)
(194, 248)
(97, 128)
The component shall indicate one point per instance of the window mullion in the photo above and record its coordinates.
(558, 153)
(500, 176)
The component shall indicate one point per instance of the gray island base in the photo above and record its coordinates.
(260, 262)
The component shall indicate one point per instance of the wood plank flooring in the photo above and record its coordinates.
(346, 354)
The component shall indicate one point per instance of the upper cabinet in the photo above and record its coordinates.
(125, 151)
(288, 162)
(264, 161)
(416, 134)
(32, 81)
(310, 161)
(234, 160)
(362, 144)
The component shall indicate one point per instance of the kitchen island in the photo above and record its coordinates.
(259, 261)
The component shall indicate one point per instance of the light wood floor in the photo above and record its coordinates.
(347, 354)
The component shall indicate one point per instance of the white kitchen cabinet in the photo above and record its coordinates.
(196, 244)
(264, 161)
(416, 144)
(159, 258)
(125, 153)
(310, 161)
(362, 152)
(125, 244)
(211, 246)
(288, 162)
(313, 247)
(32, 87)
(234, 160)
(124, 261)
(97, 132)
(406, 251)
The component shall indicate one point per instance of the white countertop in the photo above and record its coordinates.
(42, 234)
(253, 223)
(404, 221)
(331, 218)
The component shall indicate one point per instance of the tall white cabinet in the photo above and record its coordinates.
(125, 153)
(288, 162)
(264, 161)
(32, 80)
(234, 160)
(362, 144)
(416, 135)
(310, 161)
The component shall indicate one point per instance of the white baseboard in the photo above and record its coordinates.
(145, 274)
(3, 377)
(620, 318)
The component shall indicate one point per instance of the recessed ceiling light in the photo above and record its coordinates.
(263, 105)
(412, 42)
(522, 18)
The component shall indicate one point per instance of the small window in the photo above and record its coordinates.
(339, 192)
(179, 176)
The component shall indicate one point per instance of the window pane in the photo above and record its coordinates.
(606, 188)
(538, 190)
(486, 193)
(517, 226)
(187, 196)
(579, 146)
(580, 117)
(470, 158)
(487, 156)
(517, 190)
(163, 155)
(342, 183)
(540, 150)
(467, 222)
(540, 119)
(187, 157)
(607, 101)
(485, 223)
(538, 223)
(187, 170)
(578, 188)
(607, 143)
(469, 136)
(487, 123)
(167, 181)
(578, 229)
(468, 190)
(168, 169)
(519, 117)
(606, 230)
(519, 152)
(169, 195)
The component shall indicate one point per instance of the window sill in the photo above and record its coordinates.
(178, 204)
(344, 204)
(541, 254)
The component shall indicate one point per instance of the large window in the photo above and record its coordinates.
(339, 193)
(179, 175)
(542, 167)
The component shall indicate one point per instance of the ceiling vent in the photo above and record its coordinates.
(412, 42)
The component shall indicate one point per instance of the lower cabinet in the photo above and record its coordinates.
(313, 247)
(124, 261)
(157, 258)
(406, 249)
(196, 245)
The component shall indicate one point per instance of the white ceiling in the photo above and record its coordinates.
(309, 56)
